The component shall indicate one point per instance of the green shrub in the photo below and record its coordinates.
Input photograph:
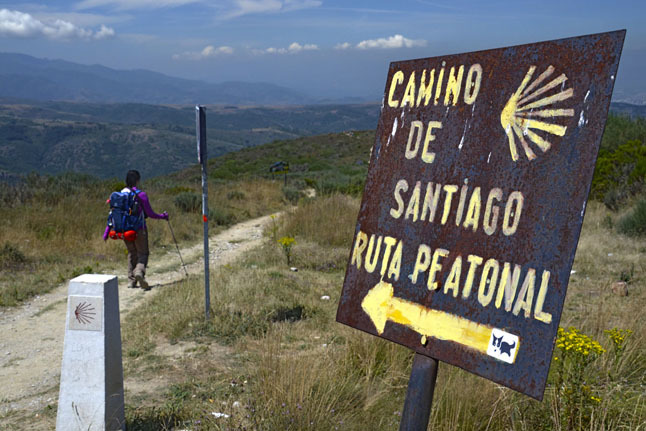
(51, 190)
(116, 185)
(79, 271)
(10, 255)
(12, 195)
(229, 170)
(292, 194)
(44, 233)
(221, 217)
(341, 184)
(619, 173)
(188, 202)
(175, 190)
(613, 198)
(309, 182)
(634, 223)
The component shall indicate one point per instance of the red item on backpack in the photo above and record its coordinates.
(129, 235)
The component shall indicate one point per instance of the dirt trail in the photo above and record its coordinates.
(31, 340)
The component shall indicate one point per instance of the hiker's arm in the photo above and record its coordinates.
(143, 198)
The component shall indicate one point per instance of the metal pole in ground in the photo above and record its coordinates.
(419, 396)
(200, 126)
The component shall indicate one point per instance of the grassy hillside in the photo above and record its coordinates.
(37, 210)
(272, 356)
(56, 137)
(47, 217)
(289, 366)
(332, 162)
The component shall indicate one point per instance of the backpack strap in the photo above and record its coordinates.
(142, 213)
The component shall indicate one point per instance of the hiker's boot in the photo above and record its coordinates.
(139, 276)
(132, 285)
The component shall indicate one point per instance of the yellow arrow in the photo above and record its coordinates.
(381, 306)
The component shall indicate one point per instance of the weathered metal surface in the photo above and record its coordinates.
(485, 171)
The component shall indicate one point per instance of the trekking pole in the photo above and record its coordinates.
(177, 247)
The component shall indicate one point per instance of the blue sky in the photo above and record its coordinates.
(327, 48)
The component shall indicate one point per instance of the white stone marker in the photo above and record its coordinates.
(91, 388)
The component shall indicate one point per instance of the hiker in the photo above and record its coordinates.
(137, 249)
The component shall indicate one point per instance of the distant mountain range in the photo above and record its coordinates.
(29, 78)
(622, 108)
(26, 77)
(104, 139)
(54, 137)
(57, 116)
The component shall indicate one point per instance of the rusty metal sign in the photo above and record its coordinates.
(474, 201)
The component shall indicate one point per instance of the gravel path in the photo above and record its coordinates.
(31, 343)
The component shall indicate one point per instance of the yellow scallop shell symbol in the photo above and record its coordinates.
(520, 115)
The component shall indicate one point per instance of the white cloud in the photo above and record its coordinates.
(82, 19)
(344, 45)
(396, 41)
(133, 4)
(297, 47)
(293, 48)
(246, 7)
(208, 52)
(18, 24)
(104, 33)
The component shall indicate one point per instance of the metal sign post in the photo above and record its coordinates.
(473, 206)
(419, 396)
(200, 131)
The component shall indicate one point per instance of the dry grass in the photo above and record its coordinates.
(63, 238)
(312, 220)
(304, 371)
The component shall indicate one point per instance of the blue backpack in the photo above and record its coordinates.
(125, 217)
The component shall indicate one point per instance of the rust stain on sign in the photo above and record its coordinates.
(474, 202)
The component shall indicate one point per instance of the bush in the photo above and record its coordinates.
(175, 190)
(309, 182)
(291, 194)
(14, 195)
(116, 185)
(51, 190)
(613, 198)
(10, 255)
(221, 217)
(346, 185)
(634, 223)
(619, 173)
(188, 202)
